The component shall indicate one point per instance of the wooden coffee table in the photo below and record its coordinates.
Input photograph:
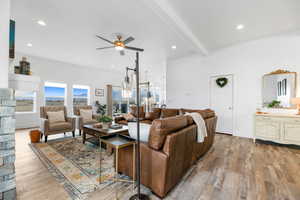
(99, 132)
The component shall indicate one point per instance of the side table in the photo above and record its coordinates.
(118, 141)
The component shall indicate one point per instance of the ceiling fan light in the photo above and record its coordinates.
(119, 48)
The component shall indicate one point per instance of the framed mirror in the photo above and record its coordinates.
(279, 87)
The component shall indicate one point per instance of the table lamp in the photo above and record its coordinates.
(296, 101)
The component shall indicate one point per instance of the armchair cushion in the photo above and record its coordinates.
(87, 115)
(58, 116)
(57, 126)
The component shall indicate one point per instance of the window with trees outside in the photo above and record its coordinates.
(55, 94)
(25, 101)
(119, 103)
(81, 95)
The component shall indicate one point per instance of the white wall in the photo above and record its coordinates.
(4, 42)
(54, 71)
(188, 78)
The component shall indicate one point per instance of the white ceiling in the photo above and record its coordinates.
(193, 26)
(72, 25)
(214, 21)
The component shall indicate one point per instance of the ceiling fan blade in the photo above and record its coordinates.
(105, 48)
(130, 39)
(133, 48)
(102, 38)
(122, 53)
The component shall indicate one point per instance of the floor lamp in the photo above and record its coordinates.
(139, 195)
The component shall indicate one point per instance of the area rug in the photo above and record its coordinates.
(76, 165)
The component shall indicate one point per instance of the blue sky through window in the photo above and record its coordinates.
(78, 92)
(54, 92)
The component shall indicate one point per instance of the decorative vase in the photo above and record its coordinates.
(106, 125)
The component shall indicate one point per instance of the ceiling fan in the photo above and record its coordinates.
(119, 44)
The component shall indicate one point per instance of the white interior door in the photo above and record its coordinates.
(221, 101)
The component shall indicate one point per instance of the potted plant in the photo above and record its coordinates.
(101, 108)
(105, 120)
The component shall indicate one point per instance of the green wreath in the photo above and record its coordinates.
(222, 81)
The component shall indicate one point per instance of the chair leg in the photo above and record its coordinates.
(46, 138)
(80, 132)
(41, 136)
(73, 132)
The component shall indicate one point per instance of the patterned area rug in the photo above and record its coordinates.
(76, 165)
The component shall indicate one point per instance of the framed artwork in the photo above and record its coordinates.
(99, 92)
(12, 31)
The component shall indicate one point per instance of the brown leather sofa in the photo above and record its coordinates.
(171, 150)
(81, 122)
(48, 128)
(149, 117)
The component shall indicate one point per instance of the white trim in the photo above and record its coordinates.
(233, 100)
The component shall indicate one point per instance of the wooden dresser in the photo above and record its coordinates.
(280, 128)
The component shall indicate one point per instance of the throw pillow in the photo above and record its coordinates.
(128, 117)
(144, 131)
(58, 116)
(87, 115)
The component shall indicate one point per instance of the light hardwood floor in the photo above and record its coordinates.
(235, 168)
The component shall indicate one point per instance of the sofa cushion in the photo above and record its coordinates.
(162, 127)
(60, 126)
(123, 122)
(207, 113)
(87, 115)
(58, 116)
(190, 120)
(168, 112)
(154, 114)
(146, 121)
(133, 111)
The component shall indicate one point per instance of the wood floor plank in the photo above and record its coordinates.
(235, 168)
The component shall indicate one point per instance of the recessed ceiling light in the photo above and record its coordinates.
(240, 27)
(174, 47)
(42, 23)
(29, 44)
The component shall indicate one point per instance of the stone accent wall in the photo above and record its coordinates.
(7, 145)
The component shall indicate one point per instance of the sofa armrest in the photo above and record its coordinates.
(44, 124)
(154, 166)
(119, 118)
(72, 120)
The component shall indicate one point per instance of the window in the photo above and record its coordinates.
(26, 101)
(55, 94)
(119, 104)
(81, 95)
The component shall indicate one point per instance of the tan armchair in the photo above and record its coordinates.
(82, 122)
(48, 128)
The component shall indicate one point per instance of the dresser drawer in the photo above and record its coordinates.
(267, 129)
(267, 119)
(291, 132)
